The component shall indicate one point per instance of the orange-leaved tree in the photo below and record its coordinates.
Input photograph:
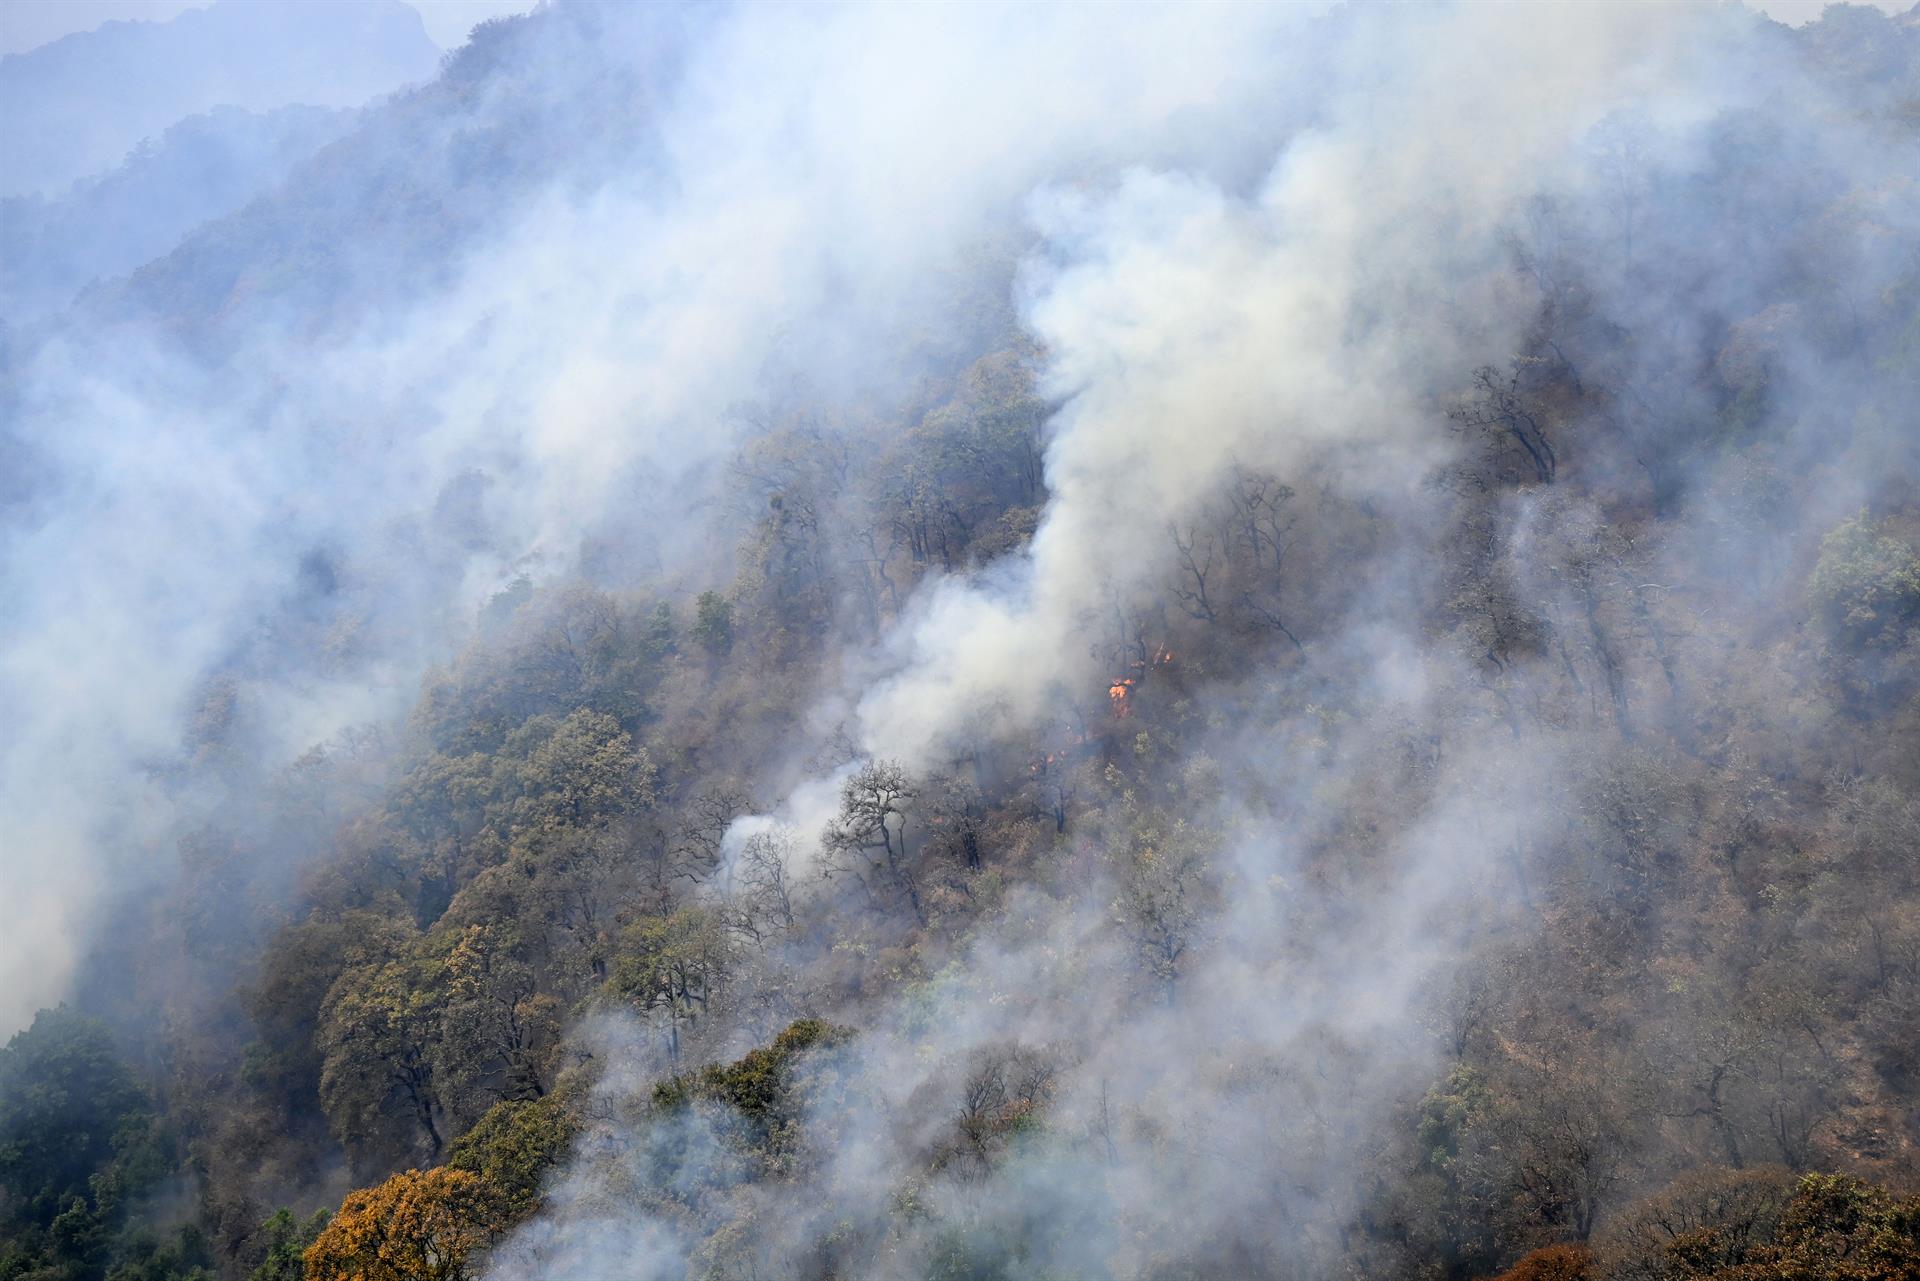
(417, 1226)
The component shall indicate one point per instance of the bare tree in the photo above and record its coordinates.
(869, 836)
(766, 878)
(1159, 901)
(1006, 1088)
(1201, 558)
(956, 818)
(1498, 408)
(696, 848)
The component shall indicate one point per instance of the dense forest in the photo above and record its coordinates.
(748, 642)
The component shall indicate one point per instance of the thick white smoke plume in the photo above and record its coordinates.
(1189, 329)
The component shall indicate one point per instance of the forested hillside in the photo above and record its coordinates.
(203, 167)
(746, 642)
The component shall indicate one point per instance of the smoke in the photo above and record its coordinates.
(1310, 327)
(423, 417)
(1314, 323)
(1243, 239)
(1188, 330)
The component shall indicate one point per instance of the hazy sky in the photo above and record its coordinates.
(26, 24)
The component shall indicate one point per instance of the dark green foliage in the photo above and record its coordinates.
(579, 771)
(287, 1238)
(286, 997)
(547, 653)
(514, 1144)
(377, 1078)
(983, 1253)
(80, 1148)
(672, 965)
(182, 1255)
(1449, 1109)
(1867, 584)
(713, 623)
(549, 772)
(658, 640)
(68, 1107)
(755, 1086)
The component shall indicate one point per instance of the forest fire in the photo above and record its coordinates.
(1120, 691)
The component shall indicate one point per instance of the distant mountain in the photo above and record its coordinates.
(422, 176)
(77, 106)
(202, 168)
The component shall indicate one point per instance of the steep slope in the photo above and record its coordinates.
(966, 642)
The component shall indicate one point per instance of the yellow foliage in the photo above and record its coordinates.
(417, 1226)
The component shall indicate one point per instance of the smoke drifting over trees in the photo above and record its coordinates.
(980, 641)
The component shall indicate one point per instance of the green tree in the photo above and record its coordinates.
(761, 1090)
(497, 1032)
(577, 772)
(514, 1145)
(287, 1239)
(671, 967)
(179, 1255)
(67, 1105)
(376, 1043)
(713, 624)
(286, 999)
(1867, 584)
